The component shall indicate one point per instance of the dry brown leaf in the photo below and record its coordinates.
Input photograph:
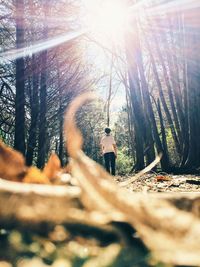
(52, 168)
(35, 176)
(74, 138)
(13, 168)
(161, 178)
(173, 235)
(12, 163)
(169, 232)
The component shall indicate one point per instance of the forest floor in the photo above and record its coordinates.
(163, 183)
(96, 246)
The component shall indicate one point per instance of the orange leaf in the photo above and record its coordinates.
(12, 163)
(161, 178)
(35, 176)
(52, 167)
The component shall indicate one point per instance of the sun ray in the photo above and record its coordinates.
(40, 46)
(174, 6)
(106, 19)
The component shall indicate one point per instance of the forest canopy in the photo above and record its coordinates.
(140, 56)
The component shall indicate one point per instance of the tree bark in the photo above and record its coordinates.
(19, 142)
(162, 97)
(148, 109)
(42, 138)
(162, 128)
(34, 105)
(42, 115)
(169, 89)
(193, 71)
(137, 118)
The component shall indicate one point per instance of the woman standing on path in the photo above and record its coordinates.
(109, 151)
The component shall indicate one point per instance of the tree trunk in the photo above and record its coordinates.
(137, 118)
(109, 92)
(42, 138)
(34, 104)
(162, 97)
(19, 142)
(162, 128)
(42, 114)
(130, 124)
(175, 73)
(185, 93)
(149, 110)
(168, 85)
(193, 42)
(60, 148)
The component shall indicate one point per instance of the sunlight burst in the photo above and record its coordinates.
(108, 19)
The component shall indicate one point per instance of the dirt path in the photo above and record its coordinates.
(156, 183)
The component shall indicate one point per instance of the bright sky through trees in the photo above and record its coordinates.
(107, 22)
(106, 19)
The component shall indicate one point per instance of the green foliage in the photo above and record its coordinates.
(124, 162)
(171, 148)
(1, 135)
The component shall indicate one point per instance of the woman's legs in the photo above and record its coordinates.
(107, 161)
(110, 162)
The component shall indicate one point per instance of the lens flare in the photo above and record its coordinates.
(107, 18)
